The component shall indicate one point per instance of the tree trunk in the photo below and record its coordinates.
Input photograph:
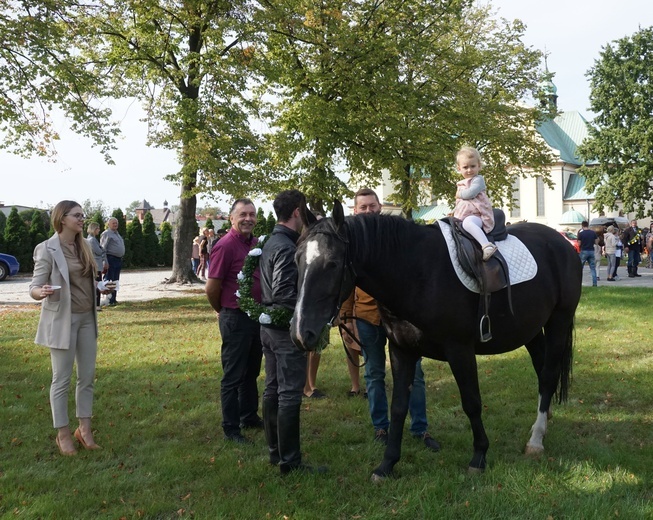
(406, 190)
(184, 230)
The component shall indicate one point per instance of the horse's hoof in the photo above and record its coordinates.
(477, 464)
(377, 479)
(533, 451)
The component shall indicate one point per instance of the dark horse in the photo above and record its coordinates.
(426, 310)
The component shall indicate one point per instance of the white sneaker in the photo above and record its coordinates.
(488, 251)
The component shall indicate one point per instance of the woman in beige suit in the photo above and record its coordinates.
(64, 277)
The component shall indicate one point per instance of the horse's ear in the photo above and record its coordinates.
(306, 214)
(338, 214)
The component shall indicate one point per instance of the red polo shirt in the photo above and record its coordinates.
(226, 261)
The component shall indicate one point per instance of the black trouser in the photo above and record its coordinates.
(241, 366)
(285, 376)
(98, 278)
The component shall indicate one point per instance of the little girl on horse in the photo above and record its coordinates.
(473, 206)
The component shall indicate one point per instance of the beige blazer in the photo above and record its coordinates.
(51, 268)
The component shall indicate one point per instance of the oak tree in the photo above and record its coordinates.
(619, 150)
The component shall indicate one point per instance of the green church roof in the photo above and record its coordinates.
(565, 133)
(576, 188)
(572, 217)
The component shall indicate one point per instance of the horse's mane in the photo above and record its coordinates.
(374, 236)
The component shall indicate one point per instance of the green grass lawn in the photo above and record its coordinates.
(157, 418)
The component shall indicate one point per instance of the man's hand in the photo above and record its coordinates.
(213, 290)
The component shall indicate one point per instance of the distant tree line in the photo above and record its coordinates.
(20, 232)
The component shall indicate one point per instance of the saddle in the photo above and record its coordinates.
(492, 275)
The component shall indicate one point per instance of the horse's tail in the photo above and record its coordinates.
(566, 365)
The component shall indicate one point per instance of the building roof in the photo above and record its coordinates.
(159, 216)
(576, 188)
(564, 134)
(7, 209)
(571, 217)
(432, 213)
(144, 205)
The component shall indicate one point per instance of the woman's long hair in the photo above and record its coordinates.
(84, 253)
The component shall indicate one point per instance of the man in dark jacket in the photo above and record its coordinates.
(588, 238)
(285, 364)
(632, 239)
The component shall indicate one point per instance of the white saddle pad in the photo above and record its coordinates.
(521, 263)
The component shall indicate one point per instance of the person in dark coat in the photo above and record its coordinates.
(285, 363)
(632, 239)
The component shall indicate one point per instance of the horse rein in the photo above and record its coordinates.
(341, 329)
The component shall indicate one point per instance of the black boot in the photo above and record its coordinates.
(635, 271)
(630, 272)
(289, 449)
(270, 411)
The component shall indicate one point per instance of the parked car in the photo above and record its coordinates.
(572, 239)
(600, 224)
(8, 266)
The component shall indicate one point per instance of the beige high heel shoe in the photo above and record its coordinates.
(78, 436)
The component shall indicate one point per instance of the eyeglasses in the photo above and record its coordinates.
(78, 216)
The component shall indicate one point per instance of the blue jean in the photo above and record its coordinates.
(588, 256)
(612, 264)
(113, 273)
(373, 339)
(634, 258)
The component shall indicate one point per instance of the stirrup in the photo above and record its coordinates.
(485, 329)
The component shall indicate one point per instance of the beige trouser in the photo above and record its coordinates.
(83, 349)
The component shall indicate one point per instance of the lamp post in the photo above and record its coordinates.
(588, 209)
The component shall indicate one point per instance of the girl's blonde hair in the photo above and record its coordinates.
(84, 253)
(469, 153)
(92, 227)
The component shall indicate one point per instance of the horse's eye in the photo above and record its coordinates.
(330, 265)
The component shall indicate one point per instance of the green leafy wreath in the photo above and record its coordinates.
(279, 316)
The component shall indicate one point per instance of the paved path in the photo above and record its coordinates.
(134, 286)
(149, 285)
(646, 280)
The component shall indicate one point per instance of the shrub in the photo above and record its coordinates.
(136, 243)
(166, 243)
(152, 250)
(18, 241)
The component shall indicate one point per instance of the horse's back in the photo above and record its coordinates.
(557, 261)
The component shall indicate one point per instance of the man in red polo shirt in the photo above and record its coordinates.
(241, 337)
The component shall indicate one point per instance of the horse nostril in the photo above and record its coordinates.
(309, 340)
(305, 341)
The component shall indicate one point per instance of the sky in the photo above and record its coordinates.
(572, 32)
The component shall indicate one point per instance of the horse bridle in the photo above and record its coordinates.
(348, 273)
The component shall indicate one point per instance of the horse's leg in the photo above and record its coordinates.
(557, 343)
(462, 361)
(537, 349)
(403, 373)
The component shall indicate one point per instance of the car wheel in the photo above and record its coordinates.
(4, 271)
